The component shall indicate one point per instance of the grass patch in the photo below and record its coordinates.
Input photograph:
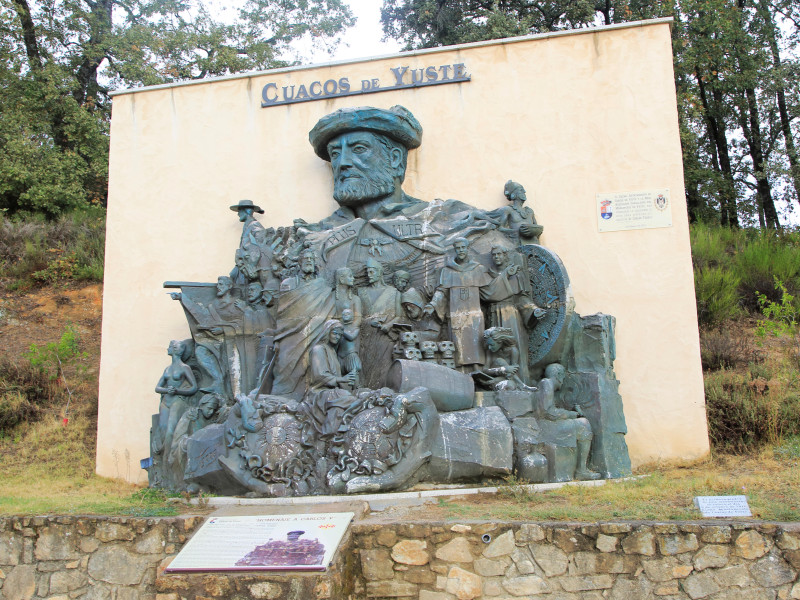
(770, 482)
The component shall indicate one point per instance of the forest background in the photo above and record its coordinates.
(736, 75)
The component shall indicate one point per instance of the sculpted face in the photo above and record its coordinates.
(347, 314)
(461, 249)
(499, 257)
(208, 405)
(335, 335)
(307, 264)
(413, 311)
(373, 274)
(401, 281)
(346, 277)
(253, 292)
(224, 285)
(492, 344)
(362, 168)
(244, 213)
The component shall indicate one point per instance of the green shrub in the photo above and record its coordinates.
(35, 251)
(725, 348)
(717, 295)
(763, 261)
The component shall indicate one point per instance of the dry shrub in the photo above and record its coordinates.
(727, 349)
(748, 410)
(25, 393)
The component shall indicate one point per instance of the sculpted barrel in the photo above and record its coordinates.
(449, 389)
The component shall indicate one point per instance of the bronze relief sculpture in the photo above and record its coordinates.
(394, 341)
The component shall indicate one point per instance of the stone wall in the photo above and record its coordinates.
(60, 558)
(624, 561)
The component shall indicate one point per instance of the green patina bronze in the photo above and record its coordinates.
(394, 341)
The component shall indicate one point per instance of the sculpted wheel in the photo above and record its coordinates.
(551, 291)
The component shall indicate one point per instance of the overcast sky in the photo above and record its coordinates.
(364, 39)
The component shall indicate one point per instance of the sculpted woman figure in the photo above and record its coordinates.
(175, 386)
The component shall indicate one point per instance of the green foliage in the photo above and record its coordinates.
(765, 260)
(717, 295)
(56, 59)
(35, 251)
(780, 318)
(51, 358)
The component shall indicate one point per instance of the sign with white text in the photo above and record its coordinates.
(264, 543)
(633, 210)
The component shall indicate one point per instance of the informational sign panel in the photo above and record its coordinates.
(264, 543)
(723, 506)
(634, 210)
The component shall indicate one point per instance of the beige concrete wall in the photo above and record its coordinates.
(568, 116)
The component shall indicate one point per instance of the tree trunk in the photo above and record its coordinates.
(719, 145)
(95, 52)
(28, 34)
(786, 129)
(749, 119)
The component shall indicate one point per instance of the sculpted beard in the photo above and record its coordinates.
(377, 183)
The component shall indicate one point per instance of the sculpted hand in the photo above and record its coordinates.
(428, 310)
(239, 303)
(512, 369)
(539, 312)
(175, 295)
(526, 229)
(512, 270)
(171, 389)
(216, 330)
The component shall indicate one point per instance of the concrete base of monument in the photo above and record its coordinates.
(378, 502)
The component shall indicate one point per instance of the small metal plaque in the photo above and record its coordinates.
(622, 211)
(264, 543)
(723, 506)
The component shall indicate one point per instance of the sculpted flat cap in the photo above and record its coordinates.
(397, 123)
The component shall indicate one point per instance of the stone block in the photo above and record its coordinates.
(464, 585)
(553, 561)
(386, 537)
(586, 583)
(583, 563)
(734, 576)
(617, 563)
(606, 543)
(629, 589)
(391, 589)
(20, 583)
(411, 552)
(523, 561)
(527, 585)
(700, 585)
(265, 590)
(151, 542)
(56, 543)
(66, 581)
(640, 542)
(428, 595)
(670, 545)
(611, 528)
(472, 443)
(670, 588)
(712, 555)
(665, 569)
(750, 545)
(421, 575)
(502, 545)
(514, 403)
(490, 567)
(716, 534)
(10, 548)
(108, 531)
(571, 540)
(788, 541)
(529, 532)
(114, 564)
(456, 550)
(376, 564)
(772, 571)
